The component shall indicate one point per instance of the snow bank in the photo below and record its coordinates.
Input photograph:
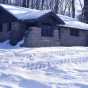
(7, 45)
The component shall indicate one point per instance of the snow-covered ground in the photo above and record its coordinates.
(50, 67)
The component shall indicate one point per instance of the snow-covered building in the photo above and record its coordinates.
(40, 27)
(36, 27)
(73, 32)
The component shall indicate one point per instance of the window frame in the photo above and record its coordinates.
(47, 31)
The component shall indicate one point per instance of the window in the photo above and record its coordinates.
(1, 27)
(74, 32)
(47, 32)
(9, 26)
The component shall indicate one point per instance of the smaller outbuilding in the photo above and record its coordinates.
(73, 32)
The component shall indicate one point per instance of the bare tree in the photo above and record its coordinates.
(56, 6)
(85, 11)
(42, 4)
(37, 4)
(73, 8)
(24, 3)
(28, 1)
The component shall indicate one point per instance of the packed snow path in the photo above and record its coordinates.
(51, 67)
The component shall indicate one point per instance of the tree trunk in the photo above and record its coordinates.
(85, 11)
(37, 4)
(56, 6)
(73, 8)
(24, 3)
(42, 4)
(27, 3)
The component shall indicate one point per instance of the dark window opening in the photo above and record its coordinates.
(1, 27)
(47, 32)
(74, 32)
(26, 27)
(9, 27)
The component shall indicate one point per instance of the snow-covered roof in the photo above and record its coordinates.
(73, 23)
(24, 13)
(66, 18)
